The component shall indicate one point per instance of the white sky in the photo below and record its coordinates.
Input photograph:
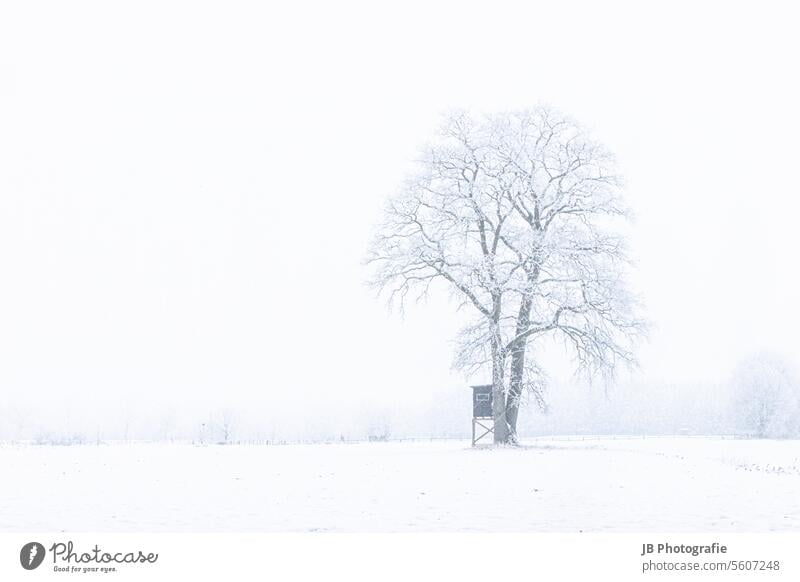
(187, 189)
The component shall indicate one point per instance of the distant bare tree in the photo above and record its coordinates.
(517, 214)
(766, 397)
(224, 423)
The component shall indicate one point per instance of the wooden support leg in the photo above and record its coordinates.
(487, 430)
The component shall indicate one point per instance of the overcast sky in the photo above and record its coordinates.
(187, 190)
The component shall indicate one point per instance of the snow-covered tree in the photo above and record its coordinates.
(224, 423)
(517, 214)
(766, 397)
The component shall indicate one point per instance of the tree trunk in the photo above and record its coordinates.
(517, 373)
(515, 390)
(501, 429)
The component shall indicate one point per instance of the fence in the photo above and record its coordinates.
(378, 440)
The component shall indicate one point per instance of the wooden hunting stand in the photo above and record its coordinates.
(482, 415)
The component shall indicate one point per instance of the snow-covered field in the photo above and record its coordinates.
(654, 484)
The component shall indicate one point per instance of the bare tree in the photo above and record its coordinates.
(766, 397)
(225, 424)
(516, 213)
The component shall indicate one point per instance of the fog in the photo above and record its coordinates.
(187, 192)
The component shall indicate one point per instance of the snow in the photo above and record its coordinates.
(549, 485)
